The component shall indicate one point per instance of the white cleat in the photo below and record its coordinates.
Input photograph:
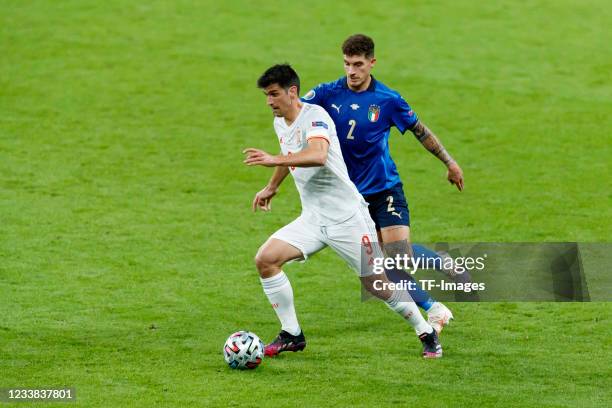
(439, 316)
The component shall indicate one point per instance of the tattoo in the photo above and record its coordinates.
(401, 248)
(431, 142)
(421, 132)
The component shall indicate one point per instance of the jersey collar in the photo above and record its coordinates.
(371, 87)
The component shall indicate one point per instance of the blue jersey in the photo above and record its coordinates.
(363, 123)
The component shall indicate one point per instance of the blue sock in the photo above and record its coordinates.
(430, 257)
(420, 296)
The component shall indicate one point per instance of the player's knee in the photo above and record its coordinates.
(260, 260)
(264, 261)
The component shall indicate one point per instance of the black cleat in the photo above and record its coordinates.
(431, 345)
(285, 342)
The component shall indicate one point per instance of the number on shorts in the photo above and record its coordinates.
(365, 241)
(390, 207)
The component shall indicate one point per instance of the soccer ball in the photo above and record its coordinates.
(243, 350)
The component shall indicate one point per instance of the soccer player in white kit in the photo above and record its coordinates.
(334, 214)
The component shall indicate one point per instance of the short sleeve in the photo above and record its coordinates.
(318, 126)
(404, 118)
(316, 95)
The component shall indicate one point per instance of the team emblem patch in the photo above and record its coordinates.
(319, 124)
(373, 113)
(311, 94)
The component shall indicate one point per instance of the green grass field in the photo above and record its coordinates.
(127, 240)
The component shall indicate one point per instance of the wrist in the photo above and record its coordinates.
(273, 185)
(278, 160)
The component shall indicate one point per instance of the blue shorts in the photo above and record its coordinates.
(389, 207)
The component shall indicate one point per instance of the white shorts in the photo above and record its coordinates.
(355, 239)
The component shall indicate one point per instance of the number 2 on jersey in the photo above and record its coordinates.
(350, 136)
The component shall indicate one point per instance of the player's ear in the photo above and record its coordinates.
(372, 62)
(293, 91)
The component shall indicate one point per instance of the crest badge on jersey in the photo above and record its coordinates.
(311, 94)
(373, 113)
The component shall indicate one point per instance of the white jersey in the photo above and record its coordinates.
(328, 195)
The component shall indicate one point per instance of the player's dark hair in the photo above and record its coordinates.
(281, 74)
(358, 44)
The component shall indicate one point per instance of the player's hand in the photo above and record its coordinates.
(259, 157)
(455, 175)
(263, 199)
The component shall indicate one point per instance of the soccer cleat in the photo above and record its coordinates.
(431, 345)
(285, 342)
(439, 316)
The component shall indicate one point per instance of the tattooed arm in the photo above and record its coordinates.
(431, 143)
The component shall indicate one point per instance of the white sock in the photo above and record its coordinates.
(280, 294)
(402, 303)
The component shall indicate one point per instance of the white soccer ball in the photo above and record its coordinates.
(243, 350)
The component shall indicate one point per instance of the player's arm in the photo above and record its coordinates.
(280, 173)
(263, 198)
(313, 156)
(433, 144)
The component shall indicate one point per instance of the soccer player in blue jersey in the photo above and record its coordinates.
(364, 110)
